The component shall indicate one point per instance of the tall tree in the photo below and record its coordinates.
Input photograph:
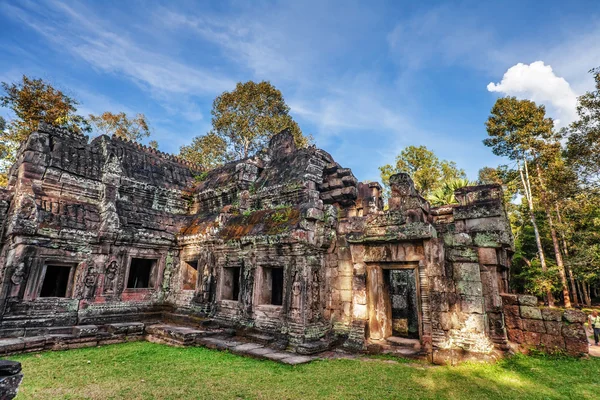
(33, 101)
(424, 167)
(133, 128)
(516, 128)
(583, 145)
(243, 121)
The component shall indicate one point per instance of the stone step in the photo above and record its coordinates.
(177, 334)
(260, 338)
(404, 342)
(255, 350)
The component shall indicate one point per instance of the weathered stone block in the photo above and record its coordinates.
(553, 328)
(575, 331)
(534, 325)
(515, 335)
(471, 304)
(469, 288)
(509, 299)
(512, 317)
(576, 347)
(530, 312)
(466, 272)
(553, 342)
(527, 300)
(575, 316)
(463, 254)
(488, 256)
(532, 338)
(85, 330)
(457, 239)
(552, 314)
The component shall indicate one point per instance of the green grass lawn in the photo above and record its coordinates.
(144, 370)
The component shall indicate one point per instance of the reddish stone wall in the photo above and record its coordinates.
(552, 330)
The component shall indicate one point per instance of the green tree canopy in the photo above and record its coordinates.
(583, 145)
(424, 167)
(243, 121)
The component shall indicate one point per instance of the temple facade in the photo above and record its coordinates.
(286, 244)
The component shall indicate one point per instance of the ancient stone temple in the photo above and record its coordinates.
(109, 237)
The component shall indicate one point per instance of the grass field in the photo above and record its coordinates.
(144, 370)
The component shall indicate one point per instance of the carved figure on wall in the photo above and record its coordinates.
(17, 278)
(296, 305)
(316, 303)
(110, 277)
(89, 282)
(19, 275)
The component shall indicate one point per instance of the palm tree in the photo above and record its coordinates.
(444, 194)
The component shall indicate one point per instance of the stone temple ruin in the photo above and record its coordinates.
(108, 240)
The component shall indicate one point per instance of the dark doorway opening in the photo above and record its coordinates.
(140, 273)
(56, 281)
(277, 286)
(403, 298)
(231, 284)
(392, 297)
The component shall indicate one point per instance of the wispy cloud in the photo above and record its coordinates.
(106, 48)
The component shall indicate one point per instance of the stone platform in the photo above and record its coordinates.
(173, 335)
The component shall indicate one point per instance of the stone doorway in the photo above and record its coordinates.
(393, 301)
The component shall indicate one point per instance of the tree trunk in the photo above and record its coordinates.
(538, 241)
(566, 251)
(557, 254)
(586, 294)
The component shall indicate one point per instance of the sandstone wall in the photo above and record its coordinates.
(550, 330)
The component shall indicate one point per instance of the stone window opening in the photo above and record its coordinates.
(270, 286)
(57, 280)
(230, 288)
(189, 274)
(141, 274)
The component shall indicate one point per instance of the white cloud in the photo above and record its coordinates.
(539, 83)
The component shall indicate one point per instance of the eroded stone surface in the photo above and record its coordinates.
(280, 247)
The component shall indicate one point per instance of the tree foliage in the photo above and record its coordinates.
(426, 170)
(133, 128)
(208, 151)
(33, 101)
(444, 194)
(583, 145)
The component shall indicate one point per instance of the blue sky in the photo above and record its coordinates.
(364, 78)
